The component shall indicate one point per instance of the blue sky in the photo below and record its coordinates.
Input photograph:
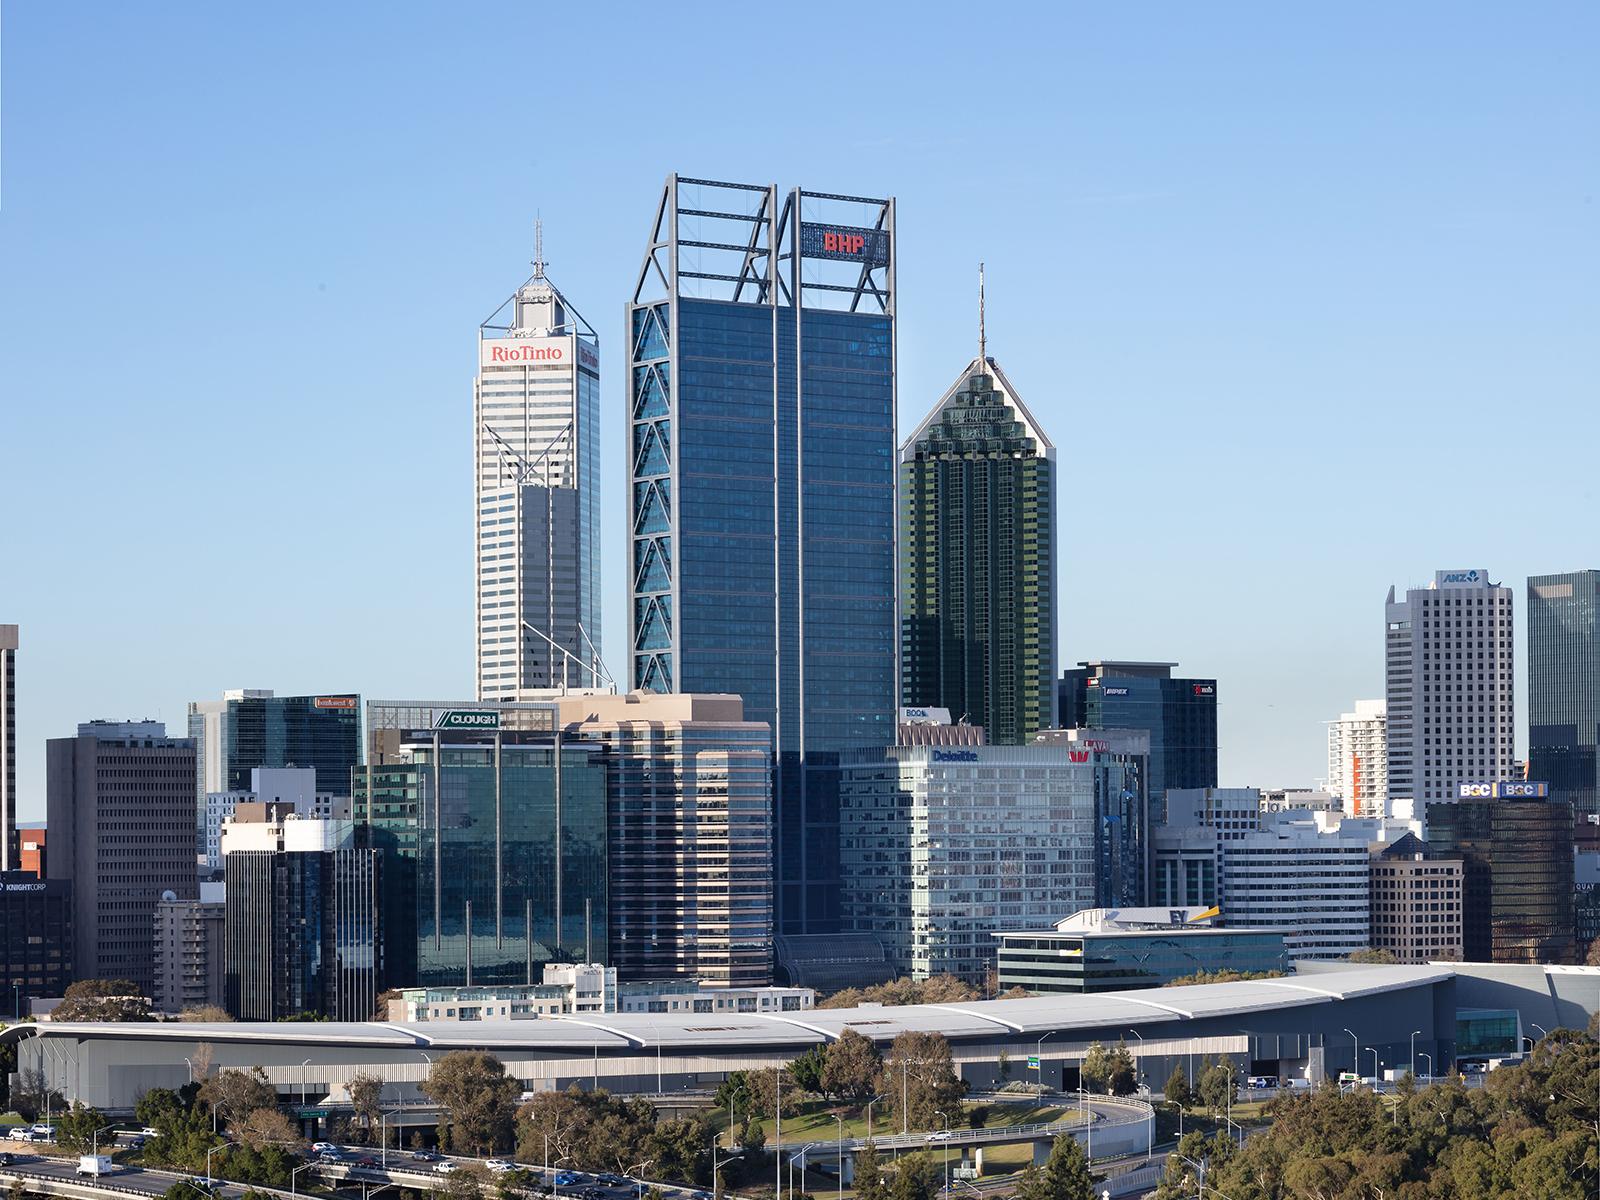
(1307, 298)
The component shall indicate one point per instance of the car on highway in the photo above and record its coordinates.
(445, 1167)
(610, 1180)
(20, 1133)
(499, 1165)
(147, 1131)
(331, 1156)
(200, 1181)
(319, 1147)
(942, 1135)
(369, 1161)
(567, 1178)
(6, 1159)
(425, 1156)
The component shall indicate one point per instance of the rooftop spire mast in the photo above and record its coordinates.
(983, 348)
(538, 247)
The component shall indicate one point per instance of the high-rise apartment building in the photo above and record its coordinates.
(1416, 902)
(977, 559)
(1564, 686)
(1358, 759)
(1312, 883)
(293, 786)
(536, 480)
(188, 952)
(120, 800)
(1515, 843)
(761, 391)
(689, 802)
(1180, 715)
(494, 842)
(250, 728)
(8, 747)
(1450, 711)
(943, 847)
(304, 924)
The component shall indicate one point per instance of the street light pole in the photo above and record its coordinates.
(209, 1153)
(1376, 1067)
(839, 1119)
(1038, 1054)
(946, 1121)
(303, 1067)
(294, 1173)
(716, 1179)
(94, 1138)
(1357, 1041)
(1429, 1057)
(1414, 1033)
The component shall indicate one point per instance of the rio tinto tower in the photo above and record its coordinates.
(536, 463)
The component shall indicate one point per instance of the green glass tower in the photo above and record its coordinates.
(977, 560)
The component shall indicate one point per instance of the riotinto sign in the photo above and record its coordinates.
(870, 246)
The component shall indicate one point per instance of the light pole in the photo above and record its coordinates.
(303, 1067)
(638, 1175)
(1376, 1067)
(870, 1103)
(295, 1172)
(716, 1179)
(1429, 1057)
(1140, 1036)
(1357, 1041)
(190, 1065)
(946, 1121)
(1414, 1033)
(209, 1153)
(94, 1138)
(555, 1187)
(383, 1133)
(1038, 1054)
(777, 1130)
(1543, 1032)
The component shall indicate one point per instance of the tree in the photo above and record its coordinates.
(236, 1094)
(1121, 1079)
(850, 1064)
(76, 1129)
(206, 1012)
(915, 1178)
(596, 1130)
(1177, 1089)
(1096, 1069)
(1218, 1085)
(768, 1088)
(1064, 1176)
(479, 1097)
(1003, 1065)
(159, 1108)
(680, 1148)
(102, 1000)
(366, 1099)
(1372, 955)
(1592, 959)
(380, 1008)
(30, 1097)
(1223, 975)
(468, 1182)
(806, 1071)
(869, 1175)
(264, 1127)
(919, 1076)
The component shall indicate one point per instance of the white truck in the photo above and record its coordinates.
(96, 1164)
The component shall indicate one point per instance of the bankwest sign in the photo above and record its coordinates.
(529, 352)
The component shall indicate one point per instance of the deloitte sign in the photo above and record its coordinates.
(467, 718)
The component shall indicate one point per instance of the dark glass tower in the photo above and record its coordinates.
(761, 393)
(1564, 686)
(1181, 715)
(494, 848)
(977, 560)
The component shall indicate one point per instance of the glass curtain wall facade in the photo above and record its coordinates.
(1180, 715)
(1564, 686)
(495, 855)
(977, 560)
(1517, 882)
(536, 474)
(762, 495)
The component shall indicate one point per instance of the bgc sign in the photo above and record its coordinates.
(1504, 789)
(847, 242)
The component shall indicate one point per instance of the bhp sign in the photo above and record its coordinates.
(843, 243)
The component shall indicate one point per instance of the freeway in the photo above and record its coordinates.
(1104, 1111)
(135, 1181)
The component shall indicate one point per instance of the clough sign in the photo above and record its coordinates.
(516, 352)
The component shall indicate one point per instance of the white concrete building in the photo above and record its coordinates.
(1450, 709)
(1358, 759)
(1312, 883)
(536, 473)
(277, 785)
(1232, 812)
(942, 847)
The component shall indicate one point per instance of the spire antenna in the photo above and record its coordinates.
(538, 247)
(983, 342)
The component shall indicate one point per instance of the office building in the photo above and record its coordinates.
(1309, 882)
(536, 480)
(294, 786)
(1586, 903)
(188, 957)
(251, 728)
(1184, 866)
(1275, 800)
(942, 848)
(689, 801)
(1564, 686)
(1180, 715)
(590, 989)
(8, 746)
(761, 392)
(1449, 707)
(1515, 843)
(977, 559)
(304, 925)
(32, 856)
(1121, 762)
(494, 842)
(120, 810)
(1105, 950)
(1416, 902)
(1232, 812)
(1358, 759)
(36, 939)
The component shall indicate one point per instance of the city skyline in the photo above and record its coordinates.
(1432, 296)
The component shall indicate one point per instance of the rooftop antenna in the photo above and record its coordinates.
(983, 344)
(538, 247)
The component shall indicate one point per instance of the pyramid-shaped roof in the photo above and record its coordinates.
(1002, 385)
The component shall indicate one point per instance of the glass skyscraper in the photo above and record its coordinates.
(1180, 714)
(977, 560)
(1564, 686)
(761, 395)
(494, 844)
(536, 478)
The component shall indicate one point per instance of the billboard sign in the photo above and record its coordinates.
(1205, 689)
(1503, 789)
(1113, 691)
(341, 702)
(955, 756)
(924, 716)
(465, 718)
(513, 352)
(846, 242)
